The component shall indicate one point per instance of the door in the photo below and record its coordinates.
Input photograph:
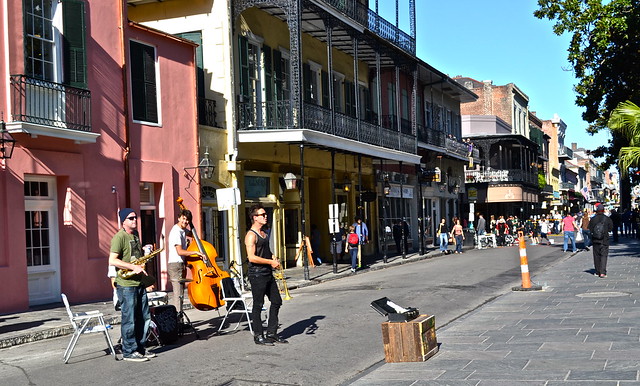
(42, 244)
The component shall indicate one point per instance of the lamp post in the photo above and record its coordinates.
(386, 189)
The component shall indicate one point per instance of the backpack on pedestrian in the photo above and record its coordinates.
(599, 231)
(353, 240)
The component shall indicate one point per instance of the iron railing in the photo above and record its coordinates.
(500, 175)
(376, 23)
(50, 104)
(390, 32)
(278, 115)
(207, 112)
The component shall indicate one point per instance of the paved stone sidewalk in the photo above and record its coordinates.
(579, 330)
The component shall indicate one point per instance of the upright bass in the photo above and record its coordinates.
(204, 290)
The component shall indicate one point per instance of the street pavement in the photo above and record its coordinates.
(579, 330)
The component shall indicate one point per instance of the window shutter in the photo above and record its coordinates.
(278, 77)
(196, 37)
(325, 88)
(306, 81)
(74, 47)
(243, 54)
(143, 82)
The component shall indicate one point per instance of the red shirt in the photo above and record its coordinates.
(567, 224)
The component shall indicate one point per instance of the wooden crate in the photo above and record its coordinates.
(413, 341)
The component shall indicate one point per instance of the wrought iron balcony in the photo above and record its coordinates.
(390, 32)
(431, 137)
(279, 115)
(500, 175)
(565, 153)
(207, 112)
(374, 22)
(50, 104)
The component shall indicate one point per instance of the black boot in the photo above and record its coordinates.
(261, 340)
(275, 338)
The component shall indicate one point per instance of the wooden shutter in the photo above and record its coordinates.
(74, 45)
(278, 78)
(243, 54)
(143, 82)
(306, 81)
(325, 89)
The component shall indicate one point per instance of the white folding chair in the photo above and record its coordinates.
(240, 304)
(81, 325)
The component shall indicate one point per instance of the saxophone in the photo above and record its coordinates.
(127, 273)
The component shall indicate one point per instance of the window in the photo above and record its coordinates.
(41, 23)
(256, 187)
(338, 96)
(39, 39)
(143, 82)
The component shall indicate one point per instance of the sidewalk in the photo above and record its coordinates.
(579, 330)
(52, 320)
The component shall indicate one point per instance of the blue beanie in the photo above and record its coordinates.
(124, 212)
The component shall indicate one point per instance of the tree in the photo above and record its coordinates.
(625, 120)
(605, 55)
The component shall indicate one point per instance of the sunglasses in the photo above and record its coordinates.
(132, 218)
(261, 215)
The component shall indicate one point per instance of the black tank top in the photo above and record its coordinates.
(262, 250)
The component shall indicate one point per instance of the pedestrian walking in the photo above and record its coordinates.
(584, 227)
(458, 235)
(443, 235)
(600, 226)
(568, 227)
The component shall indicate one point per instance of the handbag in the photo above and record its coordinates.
(579, 236)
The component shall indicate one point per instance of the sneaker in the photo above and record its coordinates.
(135, 357)
(353, 270)
(149, 354)
(603, 275)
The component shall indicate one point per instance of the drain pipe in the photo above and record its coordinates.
(125, 110)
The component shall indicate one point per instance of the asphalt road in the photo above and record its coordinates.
(334, 334)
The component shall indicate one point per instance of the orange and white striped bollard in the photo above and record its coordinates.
(524, 267)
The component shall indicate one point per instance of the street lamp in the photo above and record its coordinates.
(290, 181)
(205, 168)
(7, 142)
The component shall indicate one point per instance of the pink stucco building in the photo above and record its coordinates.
(104, 116)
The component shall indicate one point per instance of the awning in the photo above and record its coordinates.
(325, 140)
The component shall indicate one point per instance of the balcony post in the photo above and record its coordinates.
(355, 85)
(329, 28)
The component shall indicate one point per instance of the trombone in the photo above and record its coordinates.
(279, 275)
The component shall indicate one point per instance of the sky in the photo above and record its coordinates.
(499, 40)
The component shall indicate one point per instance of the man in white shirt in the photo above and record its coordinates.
(178, 244)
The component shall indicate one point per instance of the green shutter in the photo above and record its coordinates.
(325, 88)
(143, 82)
(243, 54)
(74, 47)
(278, 78)
(196, 37)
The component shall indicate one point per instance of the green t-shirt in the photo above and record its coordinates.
(128, 247)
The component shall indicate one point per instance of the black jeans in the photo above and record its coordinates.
(600, 255)
(262, 285)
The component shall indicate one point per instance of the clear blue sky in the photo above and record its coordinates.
(499, 40)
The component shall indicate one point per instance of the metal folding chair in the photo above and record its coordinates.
(236, 303)
(81, 325)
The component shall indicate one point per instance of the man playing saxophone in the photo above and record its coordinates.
(125, 247)
(261, 265)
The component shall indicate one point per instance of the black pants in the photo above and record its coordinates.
(600, 255)
(261, 286)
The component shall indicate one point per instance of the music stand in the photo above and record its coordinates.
(183, 319)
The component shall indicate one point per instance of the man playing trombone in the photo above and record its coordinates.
(262, 262)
